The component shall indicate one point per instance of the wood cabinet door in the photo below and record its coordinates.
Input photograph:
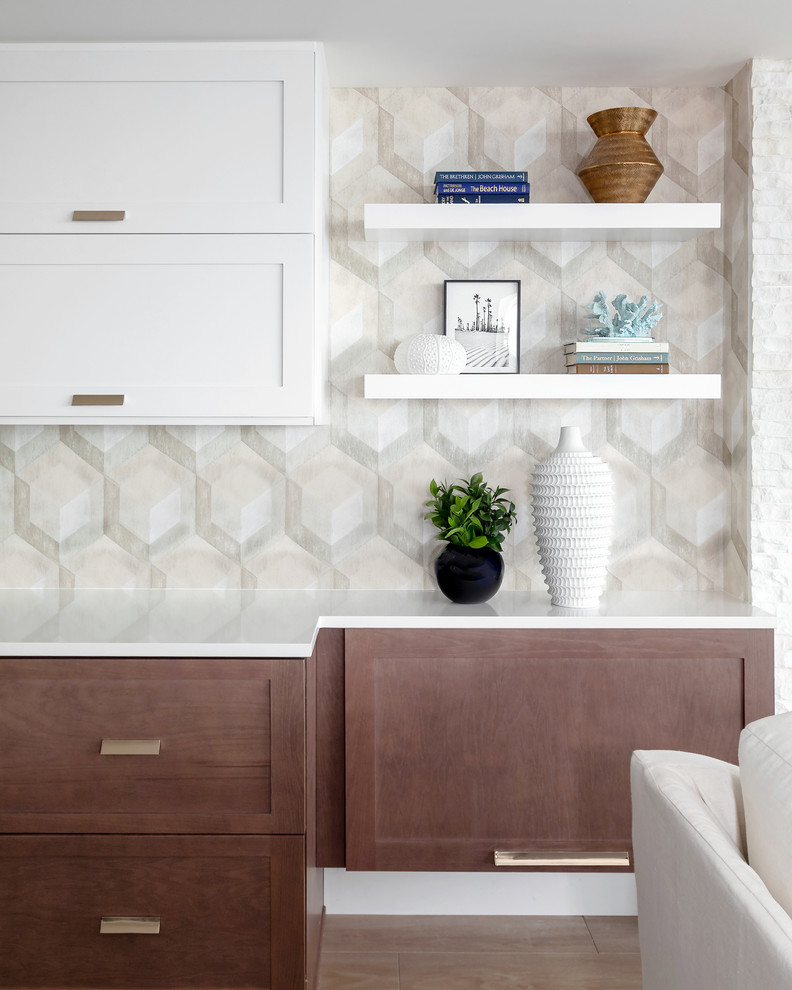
(211, 912)
(183, 139)
(157, 328)
(463, 742)
(154, 745)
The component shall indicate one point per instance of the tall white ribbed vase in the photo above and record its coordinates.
(572, 501)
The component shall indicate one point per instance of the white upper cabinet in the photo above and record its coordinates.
(163, 233)
(179, 140)
(156, 329)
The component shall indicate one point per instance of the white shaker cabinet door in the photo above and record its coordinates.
(157, 328)
(178, 140)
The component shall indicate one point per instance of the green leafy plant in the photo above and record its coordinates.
(471, 514)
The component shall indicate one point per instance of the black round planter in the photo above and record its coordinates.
(468, 575)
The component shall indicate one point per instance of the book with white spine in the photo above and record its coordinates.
(614, 344)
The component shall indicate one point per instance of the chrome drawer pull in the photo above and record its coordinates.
(130, 747)
(98, 214)
(98, 400)
(129, 926)
(561, 858)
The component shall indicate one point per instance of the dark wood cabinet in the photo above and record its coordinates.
(463, 742)
(225, 743)
(160, 788)
(388, 749)
(212, 911)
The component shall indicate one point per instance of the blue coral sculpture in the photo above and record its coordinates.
(629, 319)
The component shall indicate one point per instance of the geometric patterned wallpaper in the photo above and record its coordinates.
(738, 254)
(341, 506)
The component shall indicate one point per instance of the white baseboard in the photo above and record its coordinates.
(348, 892)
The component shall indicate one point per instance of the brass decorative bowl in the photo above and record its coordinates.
(621, 167)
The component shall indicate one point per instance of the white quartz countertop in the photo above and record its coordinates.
(285, 623)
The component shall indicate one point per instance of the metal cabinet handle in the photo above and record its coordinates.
(130, 747)
(98, 214)
(98, 400)
(561, 858)
(129, 926)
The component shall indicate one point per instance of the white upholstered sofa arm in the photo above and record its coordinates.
(706, 921)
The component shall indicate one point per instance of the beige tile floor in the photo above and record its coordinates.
(394, 952)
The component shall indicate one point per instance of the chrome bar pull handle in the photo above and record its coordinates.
(561, 857)
(130, 747)
(110, 925)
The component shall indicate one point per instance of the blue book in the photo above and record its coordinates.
(618, 357)
(480, 177)
(472, 198)
(483, 188)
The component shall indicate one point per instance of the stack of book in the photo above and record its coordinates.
(617, 356)
(482, 187)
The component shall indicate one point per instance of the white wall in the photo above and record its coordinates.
(771, 376)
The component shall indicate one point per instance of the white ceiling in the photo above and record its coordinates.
(450, 42)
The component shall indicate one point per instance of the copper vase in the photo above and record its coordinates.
(621, 167)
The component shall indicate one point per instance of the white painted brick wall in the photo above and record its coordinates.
(771, 373)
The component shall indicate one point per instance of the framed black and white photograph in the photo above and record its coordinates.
(484, 316)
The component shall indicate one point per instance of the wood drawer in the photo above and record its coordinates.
(230, 909)
(231, 755)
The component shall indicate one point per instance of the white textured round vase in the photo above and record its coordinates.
(430, 354)
(572, 501)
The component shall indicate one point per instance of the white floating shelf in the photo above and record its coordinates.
(539, 221)
(474, 386)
